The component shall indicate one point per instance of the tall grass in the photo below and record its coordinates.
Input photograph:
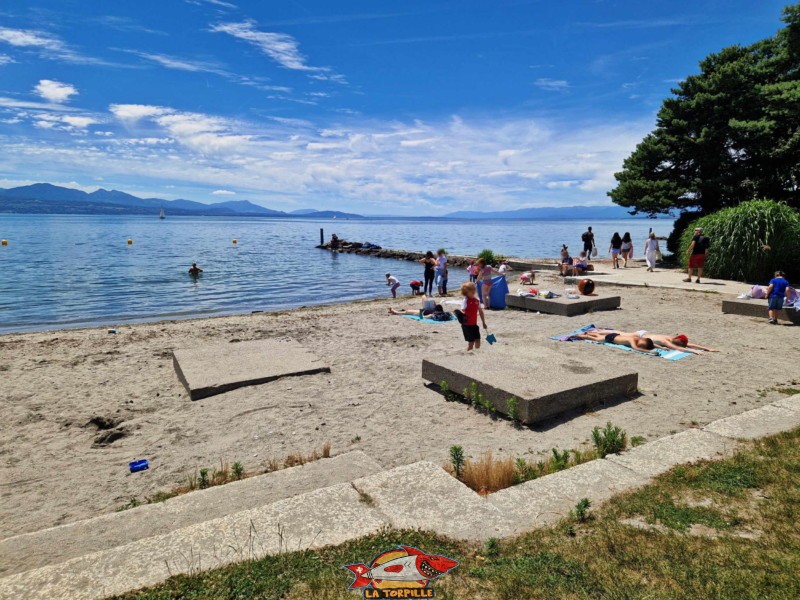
(750, 241)
(489, 474)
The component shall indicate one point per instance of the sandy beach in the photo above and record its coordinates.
(59, 386)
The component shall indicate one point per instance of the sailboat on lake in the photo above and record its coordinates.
(162, 214)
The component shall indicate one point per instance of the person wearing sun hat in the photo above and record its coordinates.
(697, 251)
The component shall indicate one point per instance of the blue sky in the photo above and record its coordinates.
(412, 107)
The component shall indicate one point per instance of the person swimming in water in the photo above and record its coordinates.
(194, 270)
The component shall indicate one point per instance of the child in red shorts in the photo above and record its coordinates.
(471, 309)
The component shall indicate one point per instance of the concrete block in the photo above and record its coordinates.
(563, 306)
(789, 403)
(757, 308)
(59, 544)
(756, 423)
(543, 380)
(324, 517)
(550, 498)
(424, 496)
(214, 369)
(659, 456)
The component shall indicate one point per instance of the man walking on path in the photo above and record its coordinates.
(588, 242)
(697, 251)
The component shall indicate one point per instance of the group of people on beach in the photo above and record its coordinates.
(620, 249)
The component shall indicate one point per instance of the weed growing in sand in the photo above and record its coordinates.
(326, 450)
(788, 391)
(203, 481)
(355, 439)
(609, 440)
(560, 460)
(457, 460)
(637, 440)
(524, 471)
(488, 474)
(132, 503)
(512, 408)
(238, 470)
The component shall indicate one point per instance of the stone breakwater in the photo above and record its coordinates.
(378, 252)
(454, 260)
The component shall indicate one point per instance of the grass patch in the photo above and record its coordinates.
(788, 391)
(598, 557)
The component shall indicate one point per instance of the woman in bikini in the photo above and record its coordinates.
(485, 273)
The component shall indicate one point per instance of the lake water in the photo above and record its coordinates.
(69, 271)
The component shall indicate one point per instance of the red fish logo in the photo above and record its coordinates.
(404, 572)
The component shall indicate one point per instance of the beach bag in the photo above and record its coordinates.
(594, 250)
(659, 256)
(758, 292)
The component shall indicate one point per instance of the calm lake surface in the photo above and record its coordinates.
(75, 271)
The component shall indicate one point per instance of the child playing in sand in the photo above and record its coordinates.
(471, 309)
(392, 283)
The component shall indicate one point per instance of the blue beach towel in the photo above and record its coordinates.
(427, 320)
(661, 352)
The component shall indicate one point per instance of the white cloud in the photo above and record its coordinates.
(5, 59)
(24, 105)
(182, 64)
(55, 91)
(220, 3)
(134, 112)
(552, 85)
(47, 44)
(223, 193)
(414, 167)
(78, 122)
(280, 47)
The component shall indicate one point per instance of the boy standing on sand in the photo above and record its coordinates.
(776, 292)
(471, 309)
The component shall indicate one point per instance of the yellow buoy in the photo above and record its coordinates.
(130, 242)
(235, 241)
(4, 242)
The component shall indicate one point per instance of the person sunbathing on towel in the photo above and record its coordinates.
(631, 340)
(428, 308)
(678, 342)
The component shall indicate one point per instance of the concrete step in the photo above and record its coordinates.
(417, 495)
(58, 544)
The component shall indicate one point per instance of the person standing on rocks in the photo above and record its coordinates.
(588, 242)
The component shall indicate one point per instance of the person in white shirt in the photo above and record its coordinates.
(504, 268)
(392, 283)
(651, 251)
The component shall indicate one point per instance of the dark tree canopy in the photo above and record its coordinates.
(727, 135)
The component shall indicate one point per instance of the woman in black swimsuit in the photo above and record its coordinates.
(430, 263)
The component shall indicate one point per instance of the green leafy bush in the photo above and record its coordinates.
(457, 460)
(749, 242)
(609, 440)
(490, 257)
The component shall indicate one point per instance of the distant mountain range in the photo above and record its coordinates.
(550, 214)
(44, 198)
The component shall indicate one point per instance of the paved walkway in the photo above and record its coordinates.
(636, 275)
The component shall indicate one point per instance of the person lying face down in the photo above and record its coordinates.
(631, 340)
(668, 342)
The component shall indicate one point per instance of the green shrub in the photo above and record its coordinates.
(203, 481)
(609, 440)
(238, 470)
(560, 460)
(749, 242)
(457, 460)
(490, 257)
(512, 405)
(581, 512)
